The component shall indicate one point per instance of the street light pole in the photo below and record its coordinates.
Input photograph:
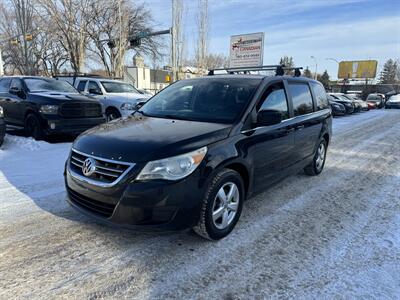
(316, 66)
(1, 65)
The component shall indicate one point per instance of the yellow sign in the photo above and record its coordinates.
(167, 78)
(29, 37)
(358, 69)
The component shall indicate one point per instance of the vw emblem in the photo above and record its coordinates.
(89, 167)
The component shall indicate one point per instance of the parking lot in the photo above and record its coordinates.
(335, 235)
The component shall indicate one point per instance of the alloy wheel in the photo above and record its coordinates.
(319, 162)
(226, 204)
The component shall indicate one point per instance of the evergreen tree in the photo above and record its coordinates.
(287, 62)
(307, 73)
(389, 72)
(324, 79)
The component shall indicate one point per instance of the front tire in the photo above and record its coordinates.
(318, 162)
(112, 114)
(33, 127)
(222, 205)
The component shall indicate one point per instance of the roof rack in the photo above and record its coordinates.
(279, 70)
(78, 75)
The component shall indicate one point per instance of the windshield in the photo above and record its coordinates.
(118, 87)
(395, 97)
(36, 85)
(374, 97)
(219, 100)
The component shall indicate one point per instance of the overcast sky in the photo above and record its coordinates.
(340, 29)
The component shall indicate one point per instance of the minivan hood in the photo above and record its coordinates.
(141, 139)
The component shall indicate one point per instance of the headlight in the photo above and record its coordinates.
(49, 109)
(1, 112)
(128, 106)
(173, 168)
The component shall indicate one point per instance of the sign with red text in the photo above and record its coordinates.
(246, 50)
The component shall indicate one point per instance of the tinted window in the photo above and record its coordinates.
(118, 87)
(36, 85)
(320, 95)
(219, 100)
(94, 87)
(81, 85)
(275, 99)
(5, 85)
(16, 83)
(302, 100)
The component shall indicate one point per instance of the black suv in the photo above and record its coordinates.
(45, 106)
(191, 155)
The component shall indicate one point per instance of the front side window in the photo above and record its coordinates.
(301, 97)
(320, 95)
(118, 87)
(5, 85)
(36, 85)
(93, 88)
(219, 100)
(81, 85)
(275, 99)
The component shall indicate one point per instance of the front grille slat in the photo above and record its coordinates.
(96, 207)
(81, 109)
(107, 172)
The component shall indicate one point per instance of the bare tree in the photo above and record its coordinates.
(17, 22)
(202, 42)
(70, 21)
(108, 25)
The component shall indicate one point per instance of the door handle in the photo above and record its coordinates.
(300, 127)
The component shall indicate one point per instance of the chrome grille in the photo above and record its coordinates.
(107, 172)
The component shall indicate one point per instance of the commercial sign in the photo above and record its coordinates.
(246, 50)
(359, 69)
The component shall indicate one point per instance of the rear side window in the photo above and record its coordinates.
(81, 85)
(320, 95)
(302, 99)
(4, 85)
(275, 99)
(16, 83)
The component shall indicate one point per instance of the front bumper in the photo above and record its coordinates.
(56, 125)
(392, 105)
(2, 130)
(152, 205)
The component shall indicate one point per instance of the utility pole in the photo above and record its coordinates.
(120, 56)
(174, 36)
(316, 67)
(1, 65)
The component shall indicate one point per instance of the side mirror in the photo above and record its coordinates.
(95, 92)
(140, 104)
(268, 117)
(15, 90)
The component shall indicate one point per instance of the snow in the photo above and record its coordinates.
(336, 235)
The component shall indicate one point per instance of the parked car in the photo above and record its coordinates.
(393, 102)
(196, 150)
(359, 103)
(145, 92)
(337, 108)
(2, 126)
(44, 106)
(377, 99)
(118, 98)
(355, 94)
(346, 103)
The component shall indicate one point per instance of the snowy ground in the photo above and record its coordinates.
(332, 236)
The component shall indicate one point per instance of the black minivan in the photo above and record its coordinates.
(195, 151)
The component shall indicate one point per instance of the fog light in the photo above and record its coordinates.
(52, 125)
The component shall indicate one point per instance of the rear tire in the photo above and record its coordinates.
(318, 162)
(33, 127)
(221, 206)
